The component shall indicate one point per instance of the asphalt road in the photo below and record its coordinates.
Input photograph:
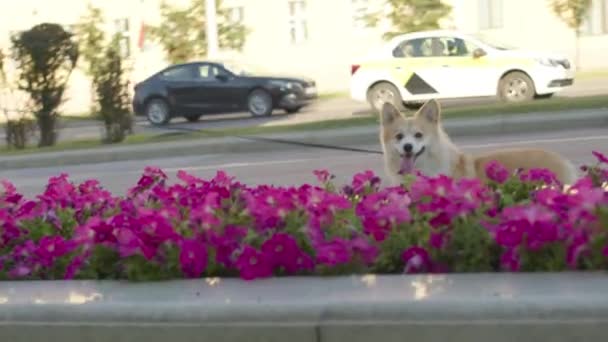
(295, 167)
(322, 110)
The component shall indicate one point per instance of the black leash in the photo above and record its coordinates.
(278, 141)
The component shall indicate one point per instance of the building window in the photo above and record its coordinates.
(236, 15)
(360, 11)
(596, 21)
(490, 14)
(298, 30)
(121, 28)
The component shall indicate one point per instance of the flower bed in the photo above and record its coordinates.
(219, 227)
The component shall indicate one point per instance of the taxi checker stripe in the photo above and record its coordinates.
(416, 86)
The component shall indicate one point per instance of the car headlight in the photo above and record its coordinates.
(282, 84)
(548, 62)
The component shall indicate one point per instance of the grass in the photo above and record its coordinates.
(549, 105)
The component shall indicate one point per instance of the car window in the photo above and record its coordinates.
(457, 47)
(420, 47)
(207, 73)
(180, 73)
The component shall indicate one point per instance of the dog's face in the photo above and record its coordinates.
(409, 138)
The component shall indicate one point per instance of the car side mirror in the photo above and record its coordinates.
(477, 53)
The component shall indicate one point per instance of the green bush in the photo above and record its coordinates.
(46, 56)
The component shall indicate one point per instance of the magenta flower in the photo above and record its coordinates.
(437, 240)
(416, 260)
(193, 258)
(509, 260)
(50, 248)
(323, 176)
(601, 158)
(496, 172)
(252, 264)
(335, 252)
(577, 247)
(363, 180)
(365, 249)
(74, 266)
(543, 176)
(282, 250)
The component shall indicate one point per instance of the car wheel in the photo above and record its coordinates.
(259, 103)
(544, 96)
(516, 87)
(384, 92)
(193, 118)
(157, 112)
(292, 110)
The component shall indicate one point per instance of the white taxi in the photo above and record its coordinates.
(415, 67)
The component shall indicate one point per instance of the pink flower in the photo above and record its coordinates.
(416, 260)
(363, 180)
(437, 240)
(365, 249)
(193, 258)
(576, 248)
(509, 260)
(74, 266)
(50, 248)
(282, 250)
(335, 252)
(497, 172)
(323, 176)
(253, 264)
(601, 158)
(543, 176)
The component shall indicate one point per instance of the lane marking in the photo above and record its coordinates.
(537, 141)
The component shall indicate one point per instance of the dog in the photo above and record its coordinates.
(420, 143)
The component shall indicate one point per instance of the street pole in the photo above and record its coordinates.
(211, 19)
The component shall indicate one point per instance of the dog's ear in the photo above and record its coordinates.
(389, 114)
(430, 111)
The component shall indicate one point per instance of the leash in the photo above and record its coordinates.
(279, 141)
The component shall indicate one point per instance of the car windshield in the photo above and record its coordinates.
(493, 43)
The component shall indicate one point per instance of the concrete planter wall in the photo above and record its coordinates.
(461, 307)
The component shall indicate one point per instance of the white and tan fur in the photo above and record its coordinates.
(439, 155)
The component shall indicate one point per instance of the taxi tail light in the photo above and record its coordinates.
(354, 68)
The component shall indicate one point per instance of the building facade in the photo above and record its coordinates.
(316, 38)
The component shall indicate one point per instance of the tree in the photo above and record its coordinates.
(410, 16)
(182, 31)
(46, 55)
(91, 39)
(572, 13)
(19, 126)
(112, 94)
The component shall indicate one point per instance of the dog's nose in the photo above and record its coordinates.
(408, 147)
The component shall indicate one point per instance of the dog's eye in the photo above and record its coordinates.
(399, 136)
(418, 135)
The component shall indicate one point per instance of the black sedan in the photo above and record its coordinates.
(195, 89)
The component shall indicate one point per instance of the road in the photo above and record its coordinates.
(337, 108)
(295, 167)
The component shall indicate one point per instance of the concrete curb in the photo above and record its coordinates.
(460, 307)
(366, 135)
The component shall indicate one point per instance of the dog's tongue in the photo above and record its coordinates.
(407, 165)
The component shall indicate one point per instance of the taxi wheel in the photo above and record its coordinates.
(384, 92)
(516, 87)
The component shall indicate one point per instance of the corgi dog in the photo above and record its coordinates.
(420, 143)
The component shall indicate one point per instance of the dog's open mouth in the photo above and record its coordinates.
(408, 161)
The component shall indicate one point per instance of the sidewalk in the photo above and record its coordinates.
(364, 135)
